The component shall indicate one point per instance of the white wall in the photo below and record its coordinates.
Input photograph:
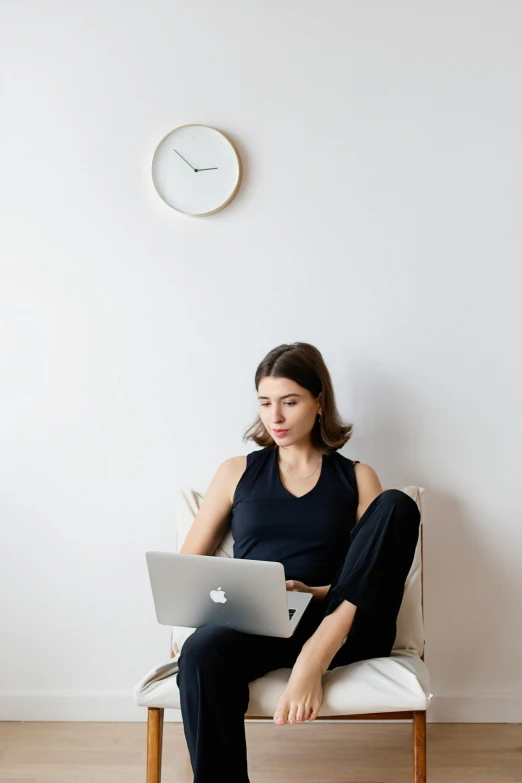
(379, 219)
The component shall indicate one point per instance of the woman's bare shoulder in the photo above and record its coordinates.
(368, 487)
(366, 475)
(236, 468)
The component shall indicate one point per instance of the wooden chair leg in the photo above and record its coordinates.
(419, 746)
(154, 743)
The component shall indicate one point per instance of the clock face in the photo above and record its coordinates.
(196, 169)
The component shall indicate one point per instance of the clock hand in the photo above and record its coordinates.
(186, 161)
(214, 168)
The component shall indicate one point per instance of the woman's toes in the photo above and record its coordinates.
(281, 713)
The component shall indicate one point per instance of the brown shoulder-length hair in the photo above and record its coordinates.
(304, 364)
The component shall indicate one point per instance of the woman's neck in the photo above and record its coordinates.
(298, 458)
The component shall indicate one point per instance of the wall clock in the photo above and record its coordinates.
(196, 170)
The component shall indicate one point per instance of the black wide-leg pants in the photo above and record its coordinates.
(217, 663)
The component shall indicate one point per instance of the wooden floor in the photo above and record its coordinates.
(314, 752)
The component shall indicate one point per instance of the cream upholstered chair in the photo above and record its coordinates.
(392, 688)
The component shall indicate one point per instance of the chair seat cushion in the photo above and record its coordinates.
(389, 684)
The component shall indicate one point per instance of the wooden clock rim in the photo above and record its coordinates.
(236, 152)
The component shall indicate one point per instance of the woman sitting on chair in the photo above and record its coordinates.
(325, 517)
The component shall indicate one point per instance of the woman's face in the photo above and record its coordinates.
(285, 405)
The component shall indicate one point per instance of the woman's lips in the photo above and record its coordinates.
(280, 432)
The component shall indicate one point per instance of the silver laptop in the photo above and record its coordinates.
(248, 595)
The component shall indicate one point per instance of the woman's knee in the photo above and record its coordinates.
(206, 645)
(401, 500)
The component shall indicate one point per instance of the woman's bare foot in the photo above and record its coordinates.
(303, 695)
(302, 698)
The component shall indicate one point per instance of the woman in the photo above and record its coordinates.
(339, 536)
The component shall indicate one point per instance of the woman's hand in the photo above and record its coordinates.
(319, 593)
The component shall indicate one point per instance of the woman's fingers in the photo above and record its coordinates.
(295, 584)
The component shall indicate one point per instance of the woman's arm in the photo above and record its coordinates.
(368, 486)
(319, 593)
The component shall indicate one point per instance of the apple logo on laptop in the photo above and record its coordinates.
(218, 596)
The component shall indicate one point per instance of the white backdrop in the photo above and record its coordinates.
(379, 219)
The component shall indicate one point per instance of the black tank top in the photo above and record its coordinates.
(309, 535)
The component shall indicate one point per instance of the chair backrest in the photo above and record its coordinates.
(410, 621)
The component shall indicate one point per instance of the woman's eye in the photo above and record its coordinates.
(264, 404)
